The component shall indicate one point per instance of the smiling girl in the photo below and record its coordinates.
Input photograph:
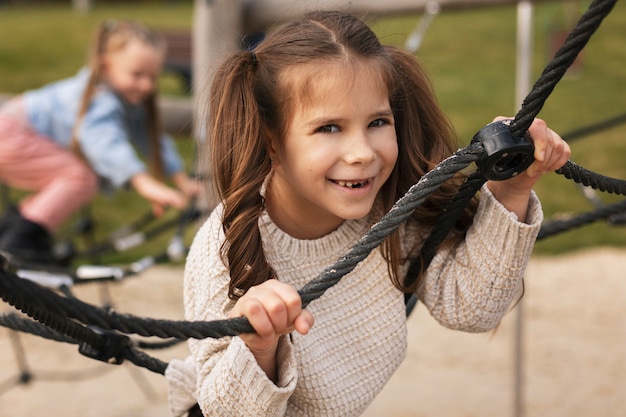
(61, 140)
(314, 135)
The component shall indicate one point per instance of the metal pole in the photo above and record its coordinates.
(522, 86)
(216, 32)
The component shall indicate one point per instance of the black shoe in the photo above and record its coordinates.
(10, 216)
(27, 241)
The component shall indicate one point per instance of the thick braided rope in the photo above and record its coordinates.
(30, 297)
(558, 66)
(140, 358)
(531, 106)
(55, 321)
(60, 328)
(445, 222)
(558, 226)
(583, 176)
(595, 127)
(14, 322)
(552, 74)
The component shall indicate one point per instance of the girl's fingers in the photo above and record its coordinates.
(304, 322)
(271, 308)
(291, 302)
(551, 151)
(541, 138)
(561, 152)
(255, 311)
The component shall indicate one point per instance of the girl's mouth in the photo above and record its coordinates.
(352, 184)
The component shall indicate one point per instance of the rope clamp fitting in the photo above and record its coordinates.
(113, 346)
(505, 155)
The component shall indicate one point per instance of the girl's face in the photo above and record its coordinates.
(133, 70)
(340, 148)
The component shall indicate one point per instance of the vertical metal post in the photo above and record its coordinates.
(217, 28)
(216, 32)
(522, 87)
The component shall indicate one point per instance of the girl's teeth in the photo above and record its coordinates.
(350, 184)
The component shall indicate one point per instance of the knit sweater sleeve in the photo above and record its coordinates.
(222, 375)
(470, 287)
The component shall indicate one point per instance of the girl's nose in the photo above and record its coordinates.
(359, 149)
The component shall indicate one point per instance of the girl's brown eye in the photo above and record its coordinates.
(378, 123)
(328, 129)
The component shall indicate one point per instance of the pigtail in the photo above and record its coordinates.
(425, 138)
(155, 131)
(154, 121)
(240, 163)
(96, 49)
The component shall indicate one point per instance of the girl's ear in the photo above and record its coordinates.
(273, 148)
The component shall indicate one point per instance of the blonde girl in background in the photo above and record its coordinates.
(314, 135)
(65, 140)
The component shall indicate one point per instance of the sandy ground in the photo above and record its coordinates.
(572, 338)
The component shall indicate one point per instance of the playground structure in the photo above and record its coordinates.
(486, 2)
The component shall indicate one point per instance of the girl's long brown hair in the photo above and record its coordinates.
(250, 103)
(111, 36)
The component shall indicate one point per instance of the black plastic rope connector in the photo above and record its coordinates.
(505, 155)
(112, 347)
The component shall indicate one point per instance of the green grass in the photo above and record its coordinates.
(469, 54)
(51, 42)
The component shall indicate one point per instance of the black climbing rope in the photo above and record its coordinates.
(531, 106)
(558, 226)
(595, 127)
(558, 66)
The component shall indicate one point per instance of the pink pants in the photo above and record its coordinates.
(61, 182)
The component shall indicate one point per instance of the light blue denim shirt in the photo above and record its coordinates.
(110, 133)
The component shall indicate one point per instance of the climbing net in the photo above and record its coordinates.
(499, 152)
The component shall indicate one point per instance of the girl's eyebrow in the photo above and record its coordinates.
(383, 113)
(327, 120)
(321, 121)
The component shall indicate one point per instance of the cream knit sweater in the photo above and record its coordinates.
(359, 336)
